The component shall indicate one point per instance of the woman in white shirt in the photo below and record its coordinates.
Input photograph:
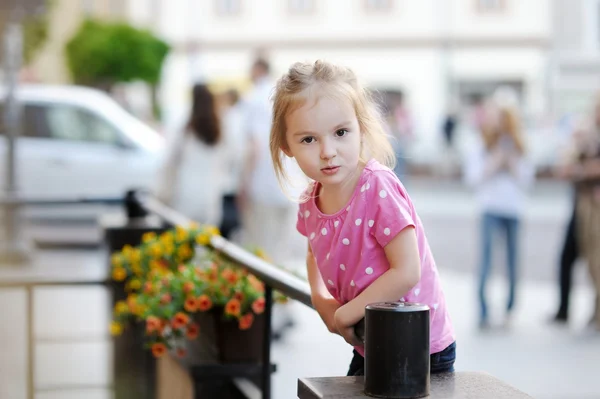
(192, 181)
(500, 173)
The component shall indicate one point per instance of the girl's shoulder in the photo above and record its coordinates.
(378, 176)
(307, 195)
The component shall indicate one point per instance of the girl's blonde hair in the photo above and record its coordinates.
(294, 88)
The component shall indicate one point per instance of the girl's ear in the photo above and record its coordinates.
(286, 151)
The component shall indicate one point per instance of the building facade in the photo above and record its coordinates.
(436, 52)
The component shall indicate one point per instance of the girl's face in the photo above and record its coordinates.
(324, 137)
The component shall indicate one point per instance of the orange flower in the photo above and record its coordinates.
(166, 299)
(258, 306)
(188, 287)
(246, 321)
(119, 274)
(230, 276)
(181, 268)
(239, 296)
(148, 288)
(180, 320)
(233, 307)
(181, 352)
(192, 331)
(212, 276)
(152, 324)
(159, 349)
(225, 289)
(203, 303)
(190, 305)
(256, 283)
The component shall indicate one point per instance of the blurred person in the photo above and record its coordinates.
(584, 170)
(497, 168)
(192, 178)
(234, 142)
(268, 213)
(401, 126)
(366, 242)
(570, 252)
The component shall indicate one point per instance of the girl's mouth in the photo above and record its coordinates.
(330, 170)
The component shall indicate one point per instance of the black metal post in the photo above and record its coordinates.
(266, 371)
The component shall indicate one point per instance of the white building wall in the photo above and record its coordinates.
(403, 48)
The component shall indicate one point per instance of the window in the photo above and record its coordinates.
(31, 122)
(65, 122)
(490, 5)
(87, 6)
(378, 5)
(301, 7)
(71, 123)
(228, 7)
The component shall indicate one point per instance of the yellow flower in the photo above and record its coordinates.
(155, 250)
(140, 309)
(119, 274)
(184, 251)
(213, 230)
(127, 249)
(166, 237)
(149, 236)
(115, 328)
(155, 265)
(136, 256)
(121, 307)
(181, 234)
(169, 248)
(137, 269)
(135, 284)
(203, 239)
(116, 260)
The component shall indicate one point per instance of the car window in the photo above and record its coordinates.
(73, 123)
(33, 121)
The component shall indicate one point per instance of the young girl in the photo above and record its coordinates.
(365, 241)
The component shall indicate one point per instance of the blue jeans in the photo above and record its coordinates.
(508, 226)
(440, 362)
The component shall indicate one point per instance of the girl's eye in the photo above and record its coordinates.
(308, 140)
(341, 132)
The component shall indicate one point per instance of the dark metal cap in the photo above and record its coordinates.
(397, 306)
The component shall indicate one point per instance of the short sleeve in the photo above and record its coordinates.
(390, 209)
(301, 223)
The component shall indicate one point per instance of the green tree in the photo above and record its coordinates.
(101, 54)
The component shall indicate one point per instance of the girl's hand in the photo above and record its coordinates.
(327, 308)
(347, 332)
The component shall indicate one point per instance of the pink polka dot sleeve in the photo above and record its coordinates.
(301, 223)
(389, 206)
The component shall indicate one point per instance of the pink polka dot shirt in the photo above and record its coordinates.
(349, 245)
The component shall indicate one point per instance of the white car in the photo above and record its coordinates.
(78, 142)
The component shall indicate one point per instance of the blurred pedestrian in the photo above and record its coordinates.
(234, 142)
(268, 213)
(584, 171)
(570, 250)
(500, 173)
(192, 177)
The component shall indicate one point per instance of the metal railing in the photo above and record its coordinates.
(273, 277)
(290, 285)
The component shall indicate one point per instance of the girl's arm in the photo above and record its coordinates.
(322, 301)
(404, 273)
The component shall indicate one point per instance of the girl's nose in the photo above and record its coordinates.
(327, 150)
